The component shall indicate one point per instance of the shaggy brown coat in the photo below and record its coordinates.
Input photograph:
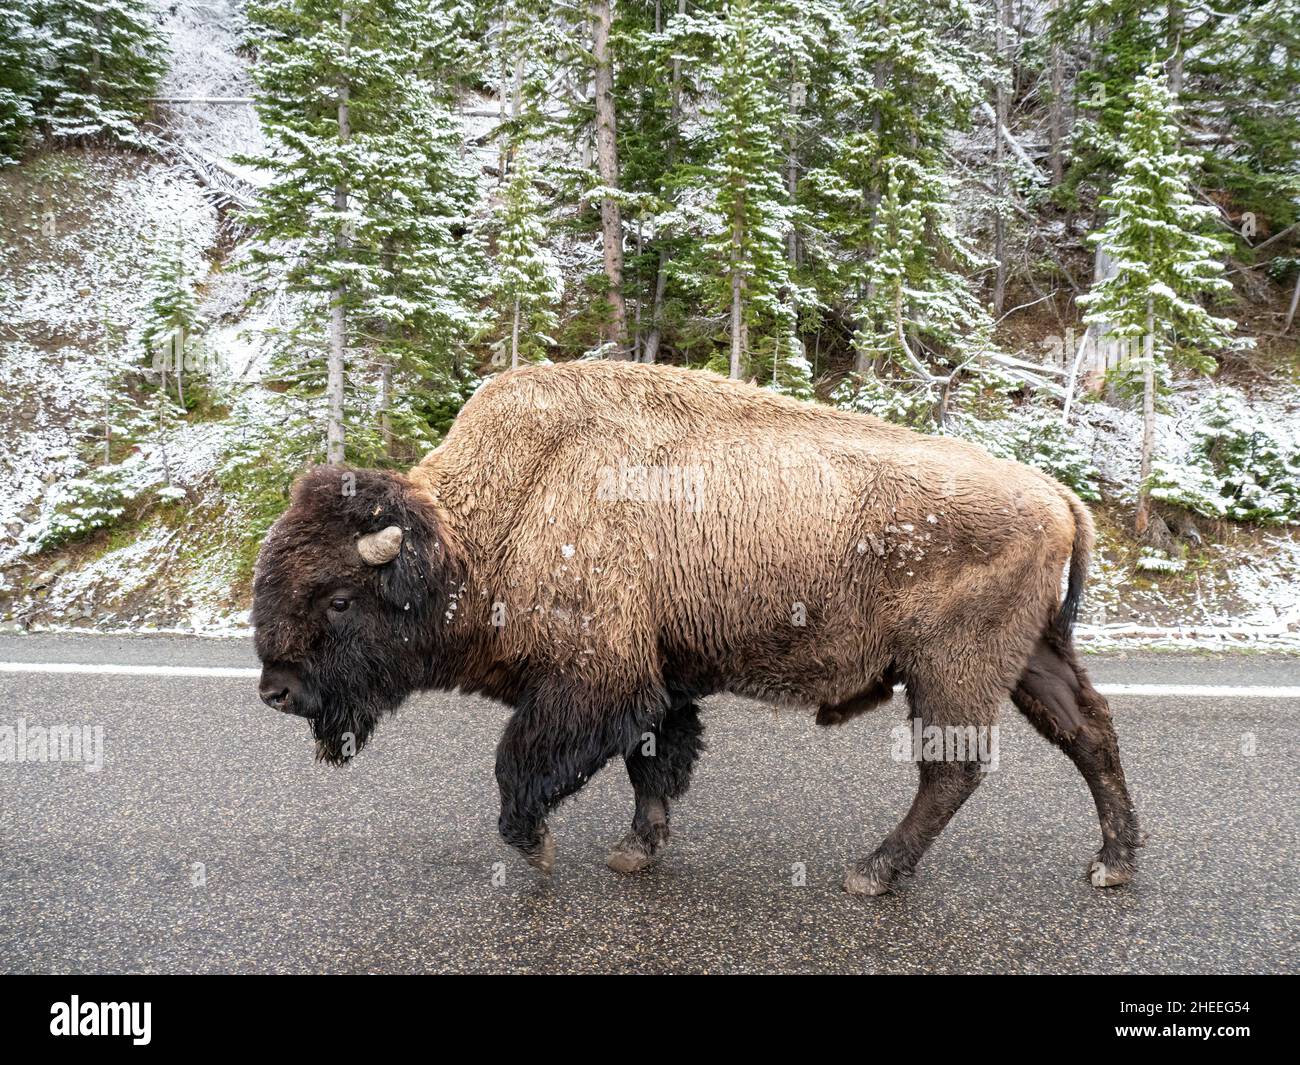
(599, 544)
(795, 552)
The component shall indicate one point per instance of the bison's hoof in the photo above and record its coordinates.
(543, 858)
(1102, 875)
(866, 878)
(631, 855)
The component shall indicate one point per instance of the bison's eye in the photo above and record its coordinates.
(338, 604)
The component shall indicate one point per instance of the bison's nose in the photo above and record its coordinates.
(278, 688)
(274, 697)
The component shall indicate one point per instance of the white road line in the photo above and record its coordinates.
(1205, 691)
(128, 671)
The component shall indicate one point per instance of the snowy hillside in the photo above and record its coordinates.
(126, 510)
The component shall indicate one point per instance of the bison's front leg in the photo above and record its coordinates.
(547, 752)
(659, 767)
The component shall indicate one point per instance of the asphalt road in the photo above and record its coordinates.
(210, 841)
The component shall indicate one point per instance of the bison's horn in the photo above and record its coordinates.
(378, 548)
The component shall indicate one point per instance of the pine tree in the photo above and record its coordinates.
(98, 60)
(889, 256)
(172, 320)
(753, 211)
(1233, 66)
(1244, 68)
(791, 373)
(422, 201)
(18, 73)
(610, 192)
(1123, 35)
(669, 154)
(528, 282)
(1165, 260)
(898, 237)
(368, 187)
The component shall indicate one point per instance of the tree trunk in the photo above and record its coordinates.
(514, 338)
(108, 394)
(388, 257)
(178, 352)
(611, 222)
(162, 439)
(334, 365)
(1174, 43)
(516, 106)
(501, 98)
(1143, 517)
(737, 291)
(1057, 119)
(334, 377)
(386, 405)
(999, 164)
(651, 351)
(635, 352)
(1104, 267)
(162, 374)
(794, 102)
(880, 75)
(1290, 314)
(859, 354)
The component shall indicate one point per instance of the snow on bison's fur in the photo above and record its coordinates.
(599, 545)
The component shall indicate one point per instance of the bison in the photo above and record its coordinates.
(600, 545)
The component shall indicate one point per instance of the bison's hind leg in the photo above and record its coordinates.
(659, 766)
(1057, 697)
(963, 716)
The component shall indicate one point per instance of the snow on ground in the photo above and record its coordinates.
(1244, 599)
(75, 268)
(98, 221)
(1243, 585)
(80, 230)
(49, 386)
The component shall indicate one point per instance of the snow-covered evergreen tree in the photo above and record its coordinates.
(1165, 260)
(421, 205)
(18, 74)
(753, 210)
(366, 217)
(791, 373)
(527, 280)
(1242, 468)
(98, 61)
(172, 321)
(887, 248)
(1234, 65)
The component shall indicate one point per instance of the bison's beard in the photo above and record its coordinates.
(340, 736)
(342, 729)
(349, 694)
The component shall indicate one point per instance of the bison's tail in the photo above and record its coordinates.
(1080, 555)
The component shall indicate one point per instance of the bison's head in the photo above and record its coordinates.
(349, 587)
